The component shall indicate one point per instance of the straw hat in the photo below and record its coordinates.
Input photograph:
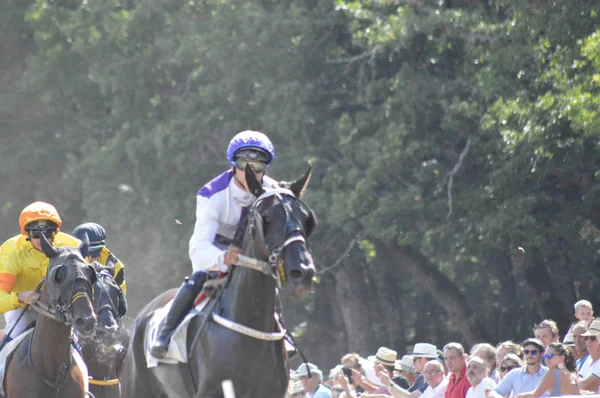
(405, 364)
(384, 356)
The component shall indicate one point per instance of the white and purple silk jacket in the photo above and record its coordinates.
(218, 210)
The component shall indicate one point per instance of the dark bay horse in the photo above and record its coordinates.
(103, 351)
(241, 339)
(42, 365)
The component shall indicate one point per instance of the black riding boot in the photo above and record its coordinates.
(182, 303)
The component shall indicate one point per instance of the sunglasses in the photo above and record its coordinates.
(530, 352)
(37, 233)
(549, 355)
(590, 338)
(258, 167)
(509, 368)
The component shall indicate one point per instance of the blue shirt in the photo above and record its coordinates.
(518, 381)
(419, 384)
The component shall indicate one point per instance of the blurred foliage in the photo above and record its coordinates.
(455, 147)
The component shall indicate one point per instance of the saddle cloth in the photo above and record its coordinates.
(178, 346)
(12, 346)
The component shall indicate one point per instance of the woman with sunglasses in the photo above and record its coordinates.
(219, 206)
(23, 264)
(561, 378)
(509, 362)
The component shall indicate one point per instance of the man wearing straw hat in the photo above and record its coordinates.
(404, 367)
(592, 336)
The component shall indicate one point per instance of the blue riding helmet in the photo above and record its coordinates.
(96, 235)
(251, 140)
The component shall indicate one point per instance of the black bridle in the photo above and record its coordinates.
(294, 229)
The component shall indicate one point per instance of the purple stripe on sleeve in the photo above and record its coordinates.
(216, 185)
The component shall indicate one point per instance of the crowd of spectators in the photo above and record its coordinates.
(540, 366)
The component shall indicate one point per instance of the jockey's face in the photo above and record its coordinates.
(240, 176)
(35, 238)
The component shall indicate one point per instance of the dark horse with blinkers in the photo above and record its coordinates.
(240, 340)
(103, 351)
(42, 365)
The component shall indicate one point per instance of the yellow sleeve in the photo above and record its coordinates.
(120, 276)
(9, 268)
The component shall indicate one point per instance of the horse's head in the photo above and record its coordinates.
(68, 287)
(280, 223)
(110, 304)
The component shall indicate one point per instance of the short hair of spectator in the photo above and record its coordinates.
(583, 304)
(512, 347)
(488, 349)
(479, 361)
(454, 346)
(548, 323)
(352, 356)
(581, 324)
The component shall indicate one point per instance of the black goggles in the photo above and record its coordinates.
(37, 233)
(258, 167)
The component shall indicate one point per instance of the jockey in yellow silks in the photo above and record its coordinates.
(23, 264)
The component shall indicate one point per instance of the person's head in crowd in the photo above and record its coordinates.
(580, 347)
(295, 389)
(507, 347)
(423, 353)
(584, 311)
(487, 352)
(454, 357)
(440, 357)
(569, 344)
(509, 362)
(351, 360)
(533, 349)
(557, 356)
(591, 337)
(309, 383)
(477, 370)
(404, 367)
(333, 373)
(385, 357)
(433, 373)
(546, 332)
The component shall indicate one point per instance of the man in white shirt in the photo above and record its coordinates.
(591, 381)
(436, 379)
(476, 373)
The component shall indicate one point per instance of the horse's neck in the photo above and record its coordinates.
(51, 345)
(251, 299)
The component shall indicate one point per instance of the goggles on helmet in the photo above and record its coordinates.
(258, 167)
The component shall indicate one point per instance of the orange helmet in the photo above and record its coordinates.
(39, 211)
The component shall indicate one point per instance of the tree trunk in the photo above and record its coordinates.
(444, 292)
(362, 315)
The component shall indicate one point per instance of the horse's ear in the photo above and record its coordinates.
(47, 248)
(254, 186)
(84, 246)
(299, 186)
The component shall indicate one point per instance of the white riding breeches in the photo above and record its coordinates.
(11, 319)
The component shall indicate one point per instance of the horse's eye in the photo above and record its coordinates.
(266, 220)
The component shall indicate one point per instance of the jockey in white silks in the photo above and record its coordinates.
(219, 206)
